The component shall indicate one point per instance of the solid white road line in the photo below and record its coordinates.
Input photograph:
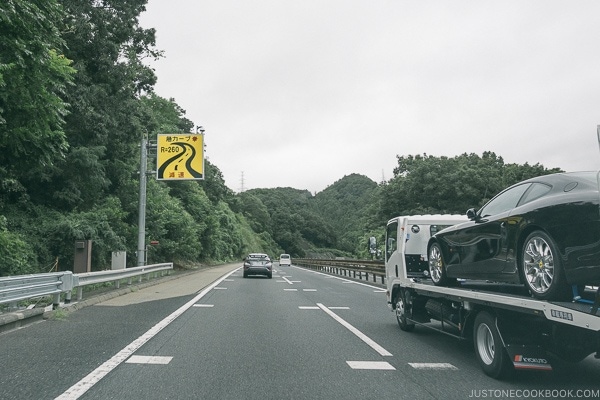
(358, 333)
(432, 366)
(204, 305)
(78, 389)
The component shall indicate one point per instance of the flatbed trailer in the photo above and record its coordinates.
(510, 330)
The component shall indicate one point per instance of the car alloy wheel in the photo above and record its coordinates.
(437, 267)
(538, 264)
(435, 263)
(541, 268)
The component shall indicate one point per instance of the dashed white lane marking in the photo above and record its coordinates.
(85, 384)
(290, 290)
(339, 308)
(149, 360)
(229, 280)
(370, 365)
(288, 281)
(220, 288)
(309, 290)
(308, 307)
(358, 333)
(204, 305)
(432, 366)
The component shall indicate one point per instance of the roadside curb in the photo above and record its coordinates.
(18, 319)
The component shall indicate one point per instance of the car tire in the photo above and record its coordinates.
(541, 268)
(489, 350)
(245, 275)
(437, 266)
(401, 314)
(270, 276)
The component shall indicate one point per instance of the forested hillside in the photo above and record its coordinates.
(75, 101)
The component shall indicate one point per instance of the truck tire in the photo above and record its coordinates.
(401, 314)
(541, 268)
(437, 266)
(489, 349)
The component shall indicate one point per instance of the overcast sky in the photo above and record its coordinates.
(301, 93)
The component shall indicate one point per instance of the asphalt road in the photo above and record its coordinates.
(300, 335)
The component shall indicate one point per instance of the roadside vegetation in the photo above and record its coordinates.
(75, 100)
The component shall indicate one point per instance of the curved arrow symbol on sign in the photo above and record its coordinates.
(188, 164)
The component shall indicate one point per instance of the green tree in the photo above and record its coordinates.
(428, 184)
(34, 75)
(344, 206)
(16, 256)
(107, 118)
(165, 116)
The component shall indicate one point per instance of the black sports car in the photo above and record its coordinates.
(543, 232)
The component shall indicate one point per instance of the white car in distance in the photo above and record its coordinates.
(285, 260)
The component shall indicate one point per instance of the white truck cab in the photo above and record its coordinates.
(406, 244)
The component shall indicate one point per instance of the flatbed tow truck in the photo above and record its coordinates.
(510, 330)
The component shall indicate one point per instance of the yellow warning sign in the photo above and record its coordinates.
(180, 156)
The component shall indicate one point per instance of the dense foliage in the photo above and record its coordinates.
(75, 101)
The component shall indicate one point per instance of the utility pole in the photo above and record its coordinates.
(141, 248)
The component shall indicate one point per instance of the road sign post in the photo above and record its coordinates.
(141, 250)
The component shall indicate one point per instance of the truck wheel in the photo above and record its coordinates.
(401, 314)
(437, 267)
(542, 269)
(490, 351)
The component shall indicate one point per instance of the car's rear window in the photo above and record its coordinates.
(258, 257)
(285, 256)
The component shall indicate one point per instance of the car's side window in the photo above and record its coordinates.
(535, 191)
(504, 201)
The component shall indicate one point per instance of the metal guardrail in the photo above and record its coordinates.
(370, 270)
(22, 287)
(91, 278)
